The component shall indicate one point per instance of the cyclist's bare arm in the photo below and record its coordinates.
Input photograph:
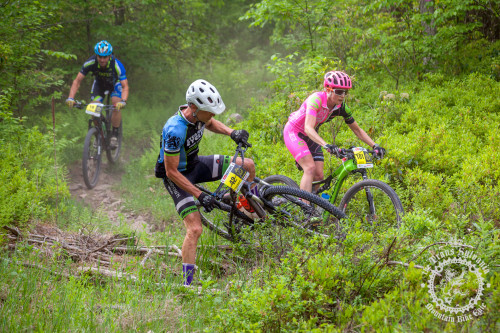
(171, 164)
(361, 134)
(76, 85)
(124, 84)
(217, 127)
(309, 124)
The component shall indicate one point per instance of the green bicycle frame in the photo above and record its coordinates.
(341, 174)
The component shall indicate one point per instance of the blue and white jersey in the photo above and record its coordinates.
(106, 77)
(181, 137)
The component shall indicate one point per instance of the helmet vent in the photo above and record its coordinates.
(205, 96)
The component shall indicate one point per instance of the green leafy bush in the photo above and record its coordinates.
(32, 185)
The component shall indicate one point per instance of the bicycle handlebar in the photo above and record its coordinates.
(349, 153)
(240, 150)
(83, 105)
(346, 151)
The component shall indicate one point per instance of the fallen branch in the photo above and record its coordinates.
(462, 245)
(406, 265)
(13, 230)
(109, 242)
(146, 257)
(108, 273)
(176, 249)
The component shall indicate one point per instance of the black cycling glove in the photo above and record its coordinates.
(332, 149)
(240, 136)
(379, 151)
(207, 201)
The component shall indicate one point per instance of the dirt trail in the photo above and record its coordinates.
(104, 197)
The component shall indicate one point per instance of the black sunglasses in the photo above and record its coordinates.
(340, 92)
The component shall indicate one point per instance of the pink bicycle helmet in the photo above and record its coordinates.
(337, 80)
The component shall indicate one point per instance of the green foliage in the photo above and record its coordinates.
(24, 30)
(32, 184)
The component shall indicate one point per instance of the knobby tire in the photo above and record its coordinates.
(292, 210)
(281, 180)
(114, 154)
(91, 158)
(388, 207)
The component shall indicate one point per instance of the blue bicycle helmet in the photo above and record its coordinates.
(103, 48)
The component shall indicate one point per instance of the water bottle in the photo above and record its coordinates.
(325, 196)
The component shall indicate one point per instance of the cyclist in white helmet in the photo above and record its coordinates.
(180, 167)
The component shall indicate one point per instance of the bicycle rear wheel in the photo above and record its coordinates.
(91, 159)
(281, 180)
(114, 153)
(291, 209)
(374, 203)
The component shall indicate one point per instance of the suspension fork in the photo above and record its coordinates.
(98, 125)
(369, 194)
(253, 201)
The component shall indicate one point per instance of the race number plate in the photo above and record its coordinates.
(234, 177)
(363, 158)
(94, 109)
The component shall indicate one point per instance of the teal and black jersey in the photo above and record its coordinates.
(181, 137)
(107, 77)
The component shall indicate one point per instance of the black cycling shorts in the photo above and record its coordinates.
(205, 169)
(314, 148)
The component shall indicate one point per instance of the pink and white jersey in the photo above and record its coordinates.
(316, 105)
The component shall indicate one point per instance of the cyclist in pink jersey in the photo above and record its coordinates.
(301, 131)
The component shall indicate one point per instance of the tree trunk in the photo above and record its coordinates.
(427, 7)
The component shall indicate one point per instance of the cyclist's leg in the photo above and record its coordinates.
(185, 206)
(116, 96)
(194, 228)
(318, 158)
(96, 93)
(208, 168)
(311, 164)
(299, 149)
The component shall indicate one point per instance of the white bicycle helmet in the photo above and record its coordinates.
(205, 96)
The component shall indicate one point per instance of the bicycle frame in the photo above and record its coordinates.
(340, 174)
(253, 200)
(102, 122)
(261, 206)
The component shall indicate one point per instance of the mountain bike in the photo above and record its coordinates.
(369, 201)
(277, 205)
(98, 139)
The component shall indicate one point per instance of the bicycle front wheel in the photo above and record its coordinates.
(302, 210)
(218, 220)
(91, 159)
(114, 153)
(373, 203)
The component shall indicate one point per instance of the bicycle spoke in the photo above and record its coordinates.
(373, 207)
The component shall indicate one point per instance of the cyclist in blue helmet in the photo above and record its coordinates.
(109, 75)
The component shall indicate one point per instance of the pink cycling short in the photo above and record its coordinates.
(300, 145)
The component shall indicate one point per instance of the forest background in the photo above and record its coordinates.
(426, 86)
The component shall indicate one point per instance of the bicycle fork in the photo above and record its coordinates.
(369, 198)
